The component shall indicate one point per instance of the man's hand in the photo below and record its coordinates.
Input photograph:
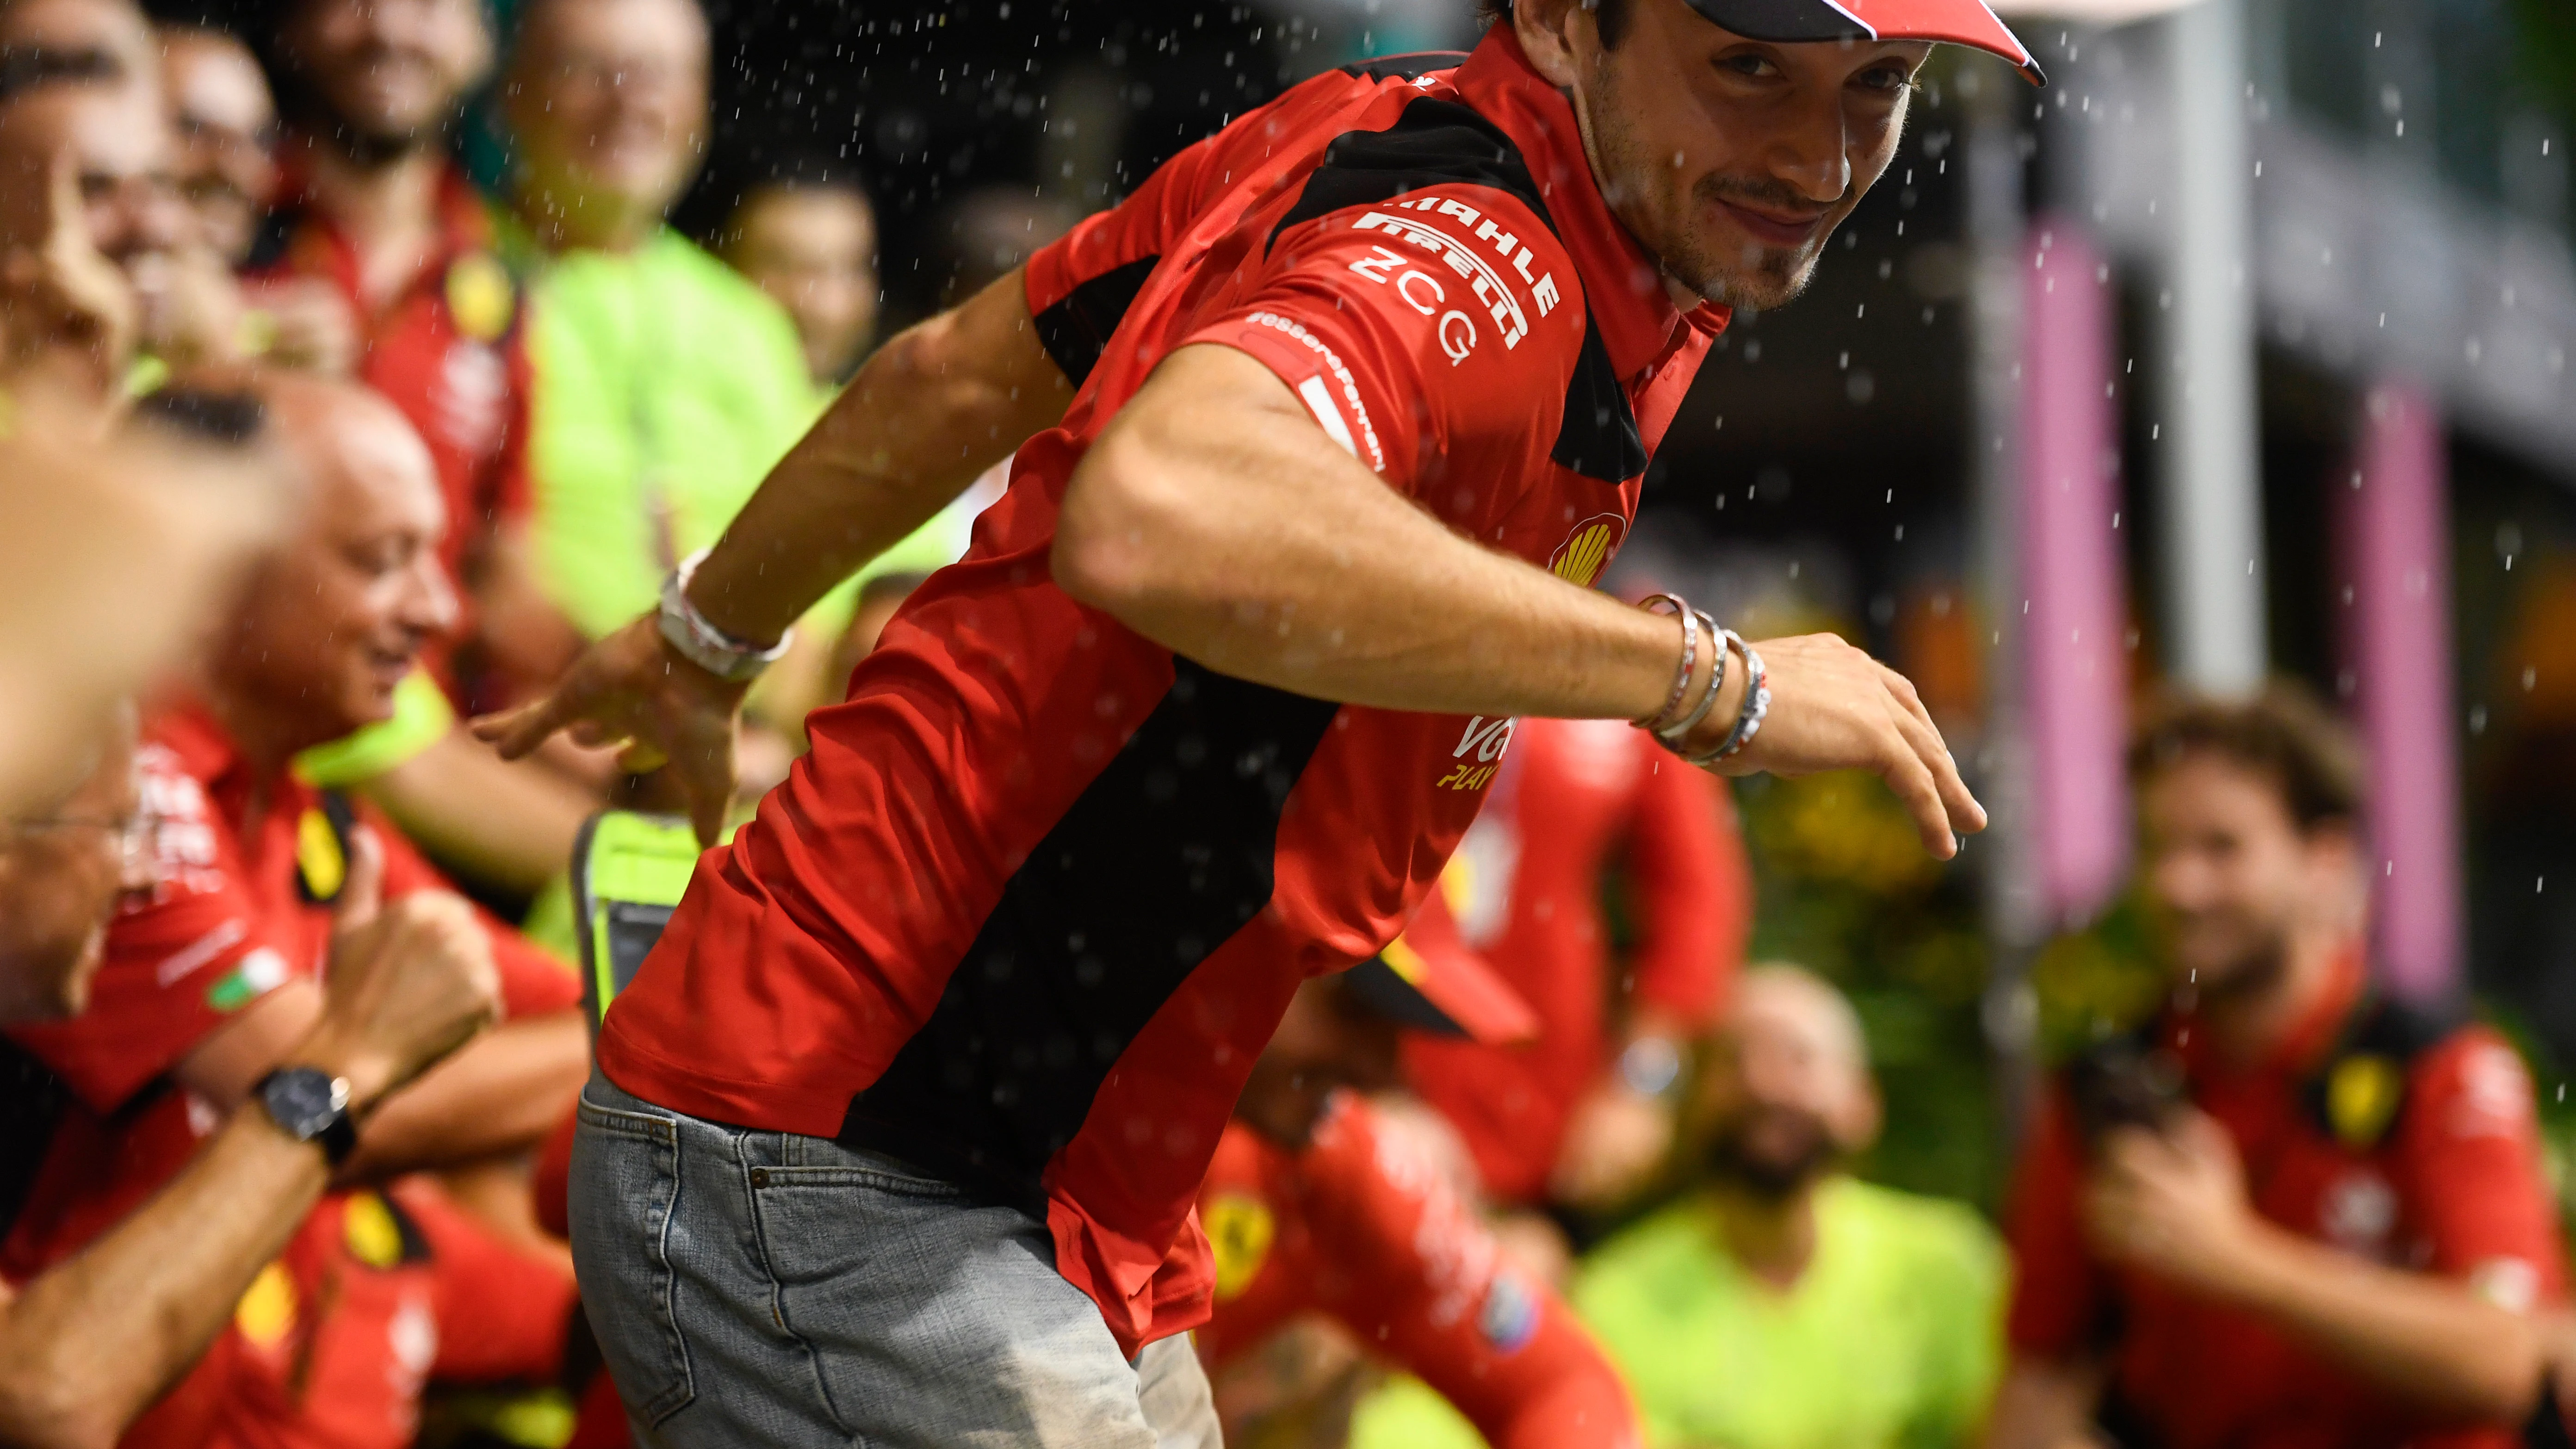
(2173, 1203)
(408, 982)
(1613, 1143)
(631, 689)
(309, 324)
(60, 301)
(1835, 708)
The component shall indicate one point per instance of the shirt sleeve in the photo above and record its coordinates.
(176, 965)
(1417, 332)
(1430, 1291)
(1691, 886)
(2058, 1288)
(533, 981)
(1961, 1279)
(2479, 1193)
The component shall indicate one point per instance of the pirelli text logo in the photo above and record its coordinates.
(1483, 278)
(1578, 560)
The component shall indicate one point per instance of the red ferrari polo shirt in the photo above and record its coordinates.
(378, 1291)
(1041, 890)
(448, 350)
(1358, 1226)
(2419, 1153)
(1572, 798)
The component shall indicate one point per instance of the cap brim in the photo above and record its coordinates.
(1956, 22)
(1430, 979)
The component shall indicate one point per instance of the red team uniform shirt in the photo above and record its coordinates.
(448, 350)
(1525, 887)
(2422, 1155)
(1358, 1225)
(1041, 890)
(379, 1290)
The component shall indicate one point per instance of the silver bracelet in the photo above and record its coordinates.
(702, 643)
(1682, 610)
(1716, 682)
(1757, 703)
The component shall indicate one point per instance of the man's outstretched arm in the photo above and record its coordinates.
(1314, 576)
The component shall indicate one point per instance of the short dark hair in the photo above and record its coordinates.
(2285, 734)
(1610, 15)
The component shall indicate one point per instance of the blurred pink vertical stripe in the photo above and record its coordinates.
(2074, 638)
(2396, 541)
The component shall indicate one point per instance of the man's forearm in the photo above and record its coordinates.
(930, 411)
(2425, 1340)
(499, 1095)
(95, 1340)
(1215, 518)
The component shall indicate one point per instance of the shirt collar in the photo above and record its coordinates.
(1622, 283)
(464, 224)
(185, 727)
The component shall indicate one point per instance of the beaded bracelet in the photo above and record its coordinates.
(1757, 703)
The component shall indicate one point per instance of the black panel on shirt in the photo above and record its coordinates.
(1439, 141)
(1412, 65)
(32, 1103)
(1076, 329)
(1159, 861)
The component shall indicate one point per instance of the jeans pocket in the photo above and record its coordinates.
(625, 1192)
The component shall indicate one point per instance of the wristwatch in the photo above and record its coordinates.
(694, 638)
(311, 1105)
(1650, 1066)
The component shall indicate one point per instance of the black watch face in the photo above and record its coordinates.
(301, 1100)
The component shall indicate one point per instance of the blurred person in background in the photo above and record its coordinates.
(1582, 1117)
(667, 383)
(86, 1345)
(101, 39)
(808, 239)
(378, 236)
(110, 128)
(211, 979)
(1317, 1204)
(227, 133)
(1783, 1303)
(2290, 1210)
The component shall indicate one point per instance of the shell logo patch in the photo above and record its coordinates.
(1240, 1229)
(319, 858)
(368, 1228)
(481, 296)
(1578, 560)
(2362, 1095)
(267, 1308)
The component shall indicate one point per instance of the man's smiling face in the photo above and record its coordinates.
(1732, 160)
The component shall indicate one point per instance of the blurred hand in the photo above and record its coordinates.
(1835, 708)
(408, 982)
(197, 313)
(1614, 1143)
(2172, 1202)
(61, 303)
(633, 690)
(310, 324)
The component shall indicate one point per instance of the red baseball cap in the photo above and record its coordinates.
(1429, 978)
(1960, 22)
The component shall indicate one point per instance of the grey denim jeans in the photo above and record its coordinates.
(771, 1289)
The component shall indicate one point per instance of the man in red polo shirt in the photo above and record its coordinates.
(210, 981)
(1362, 393)
(1315, 1203)
(2290, 1213)
(1584, 1113)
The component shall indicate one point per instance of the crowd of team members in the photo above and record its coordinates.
(506, 418)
